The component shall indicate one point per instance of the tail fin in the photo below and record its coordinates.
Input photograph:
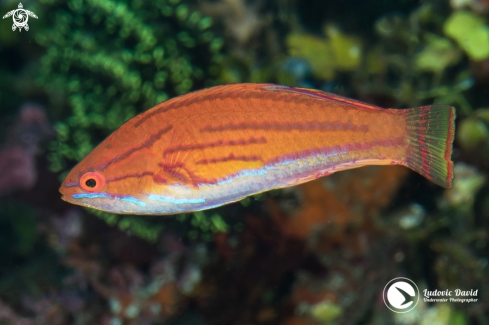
(430, 135)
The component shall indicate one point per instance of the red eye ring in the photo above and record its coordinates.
(92, 182)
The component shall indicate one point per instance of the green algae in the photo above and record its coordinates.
(438, 54)
(208, 225)
(337, 52)
(325, 312)
(106, 61)
(133, 225)
(347, 49)
(317, 51)
(198, 225)
(472, 133)
(470, 32)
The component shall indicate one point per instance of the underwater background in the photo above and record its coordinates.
(318, 253)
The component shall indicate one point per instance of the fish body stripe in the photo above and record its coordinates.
(287, 126)
(126, 198)
(146, 144)
(218, 143)
(230, 157)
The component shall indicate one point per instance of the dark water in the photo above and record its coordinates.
(319, 253)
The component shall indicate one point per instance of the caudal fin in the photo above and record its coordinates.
(430, 135)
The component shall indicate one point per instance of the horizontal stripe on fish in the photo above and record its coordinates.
(288, 126)
(146, 144)
(230, 157)
(126, 198)
(131, 199)
(218, 143)
(121, 177)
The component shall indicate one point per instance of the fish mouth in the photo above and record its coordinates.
(64, 198)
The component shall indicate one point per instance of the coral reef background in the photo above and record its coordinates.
(319, 253)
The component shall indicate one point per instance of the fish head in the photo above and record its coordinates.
(106, 182)
(85, 187)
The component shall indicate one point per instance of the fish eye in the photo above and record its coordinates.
(92, 181)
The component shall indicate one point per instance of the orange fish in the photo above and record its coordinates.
(222, 144)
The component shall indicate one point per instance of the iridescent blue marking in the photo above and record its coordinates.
(131, 199)
(126, 198)
(244, 173)
(173, 200)
(90, 195)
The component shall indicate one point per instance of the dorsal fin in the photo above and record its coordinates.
(324, 95)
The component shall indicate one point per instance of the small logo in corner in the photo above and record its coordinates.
(401, 295)
(20, 17)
